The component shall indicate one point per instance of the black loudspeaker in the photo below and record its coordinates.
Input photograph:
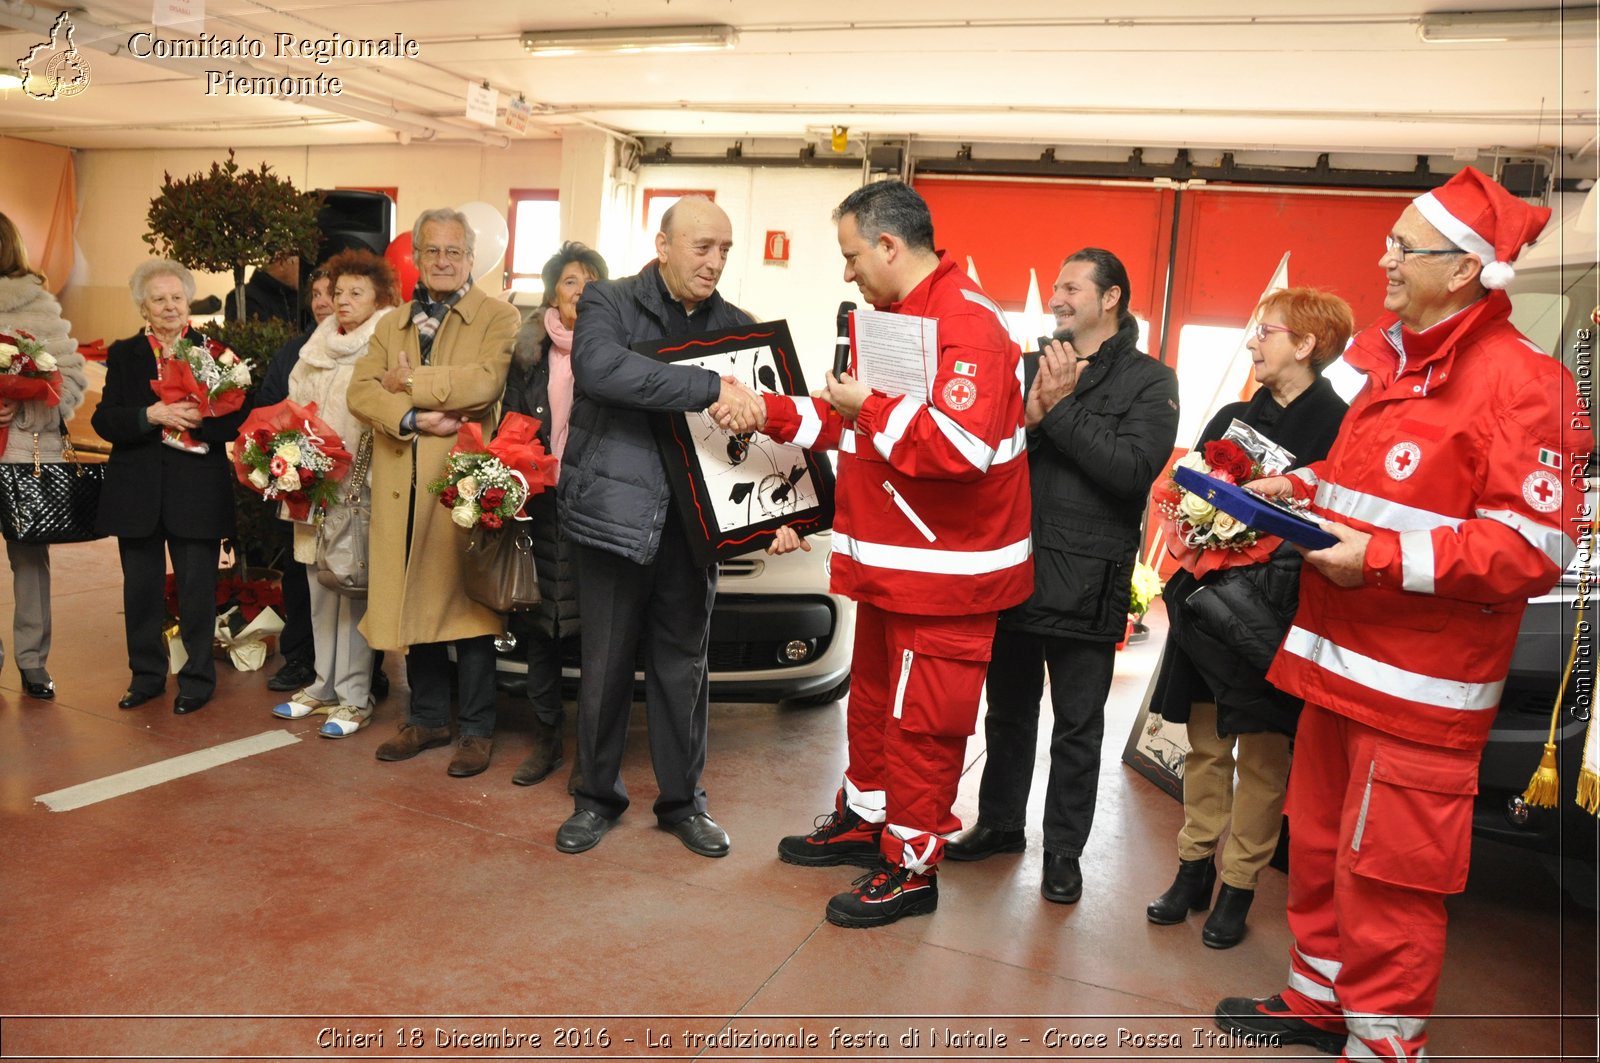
(352, 219)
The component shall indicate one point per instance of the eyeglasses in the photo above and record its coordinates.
(1393, 248)
(1263, 330)
(454, 254)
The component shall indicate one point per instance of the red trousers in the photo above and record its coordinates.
(914, 689)
(1380, 831)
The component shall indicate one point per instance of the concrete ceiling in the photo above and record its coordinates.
(1294, 75)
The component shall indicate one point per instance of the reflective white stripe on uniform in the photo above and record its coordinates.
(911, 514)
(1305, 476)
(1551, 542)
(988, 304)
(895, 426)
(810, 423)
(911, 857)
(1355, 1048)
(870, 805)
(1311, 990)
(1327, 969)
(1416, 561)
(1373, 1027)
(847, 441)
(1366, 803)
(939, 562)
(1379, 512)
(1384, 678)
(982, 456)
(906, 658)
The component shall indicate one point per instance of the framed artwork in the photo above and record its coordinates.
(1156, 748)
(734, 491)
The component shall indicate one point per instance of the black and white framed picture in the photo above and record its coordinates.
(734, 490)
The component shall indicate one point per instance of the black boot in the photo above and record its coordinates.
(1225, 928)
(546, 756)
(1190, 891)
(1062, 882)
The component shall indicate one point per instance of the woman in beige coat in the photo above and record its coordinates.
(437, 363)
(35, 436)
(365, 289)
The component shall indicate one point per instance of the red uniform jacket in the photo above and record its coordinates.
(933, 502)
(1457, 459)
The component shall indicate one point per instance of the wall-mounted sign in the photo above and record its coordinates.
(777, 247)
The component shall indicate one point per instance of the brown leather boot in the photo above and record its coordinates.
(412, 740)
(546, 756)
(472, 756)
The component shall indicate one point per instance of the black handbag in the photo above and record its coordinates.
(500, 572)
(51, 502)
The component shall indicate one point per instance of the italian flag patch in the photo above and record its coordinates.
(967, 368)
(1550, 458)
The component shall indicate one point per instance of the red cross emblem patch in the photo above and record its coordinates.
(1542, 491)
(1402, 460)
(960, 393)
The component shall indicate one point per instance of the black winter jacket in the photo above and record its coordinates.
(528, 392)
(1092, 460)
(614, 493)
(1225, 629)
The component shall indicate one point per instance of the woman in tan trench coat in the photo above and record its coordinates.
(416, 390)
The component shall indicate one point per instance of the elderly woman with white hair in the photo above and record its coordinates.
(162, 499)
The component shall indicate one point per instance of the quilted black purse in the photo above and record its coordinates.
(50, 502)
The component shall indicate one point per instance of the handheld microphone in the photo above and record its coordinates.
(841, 346)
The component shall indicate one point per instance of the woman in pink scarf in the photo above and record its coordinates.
(540, 385)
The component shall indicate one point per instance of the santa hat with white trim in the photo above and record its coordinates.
(1478, 215)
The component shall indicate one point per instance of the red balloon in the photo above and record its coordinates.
(399, 256)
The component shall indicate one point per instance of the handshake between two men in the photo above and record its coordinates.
(739, 409)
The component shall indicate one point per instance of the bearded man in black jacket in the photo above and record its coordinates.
(1102, 417)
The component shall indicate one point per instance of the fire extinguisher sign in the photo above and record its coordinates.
(777, 249)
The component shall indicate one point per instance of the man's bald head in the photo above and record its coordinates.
(692, 249)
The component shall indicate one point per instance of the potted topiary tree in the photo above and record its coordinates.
(228, 218)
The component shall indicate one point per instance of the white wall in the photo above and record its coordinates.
(806, 290)
(115, 188)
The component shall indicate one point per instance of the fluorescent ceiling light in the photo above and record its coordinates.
(9, 78)
(1534, 24)
(707, 38)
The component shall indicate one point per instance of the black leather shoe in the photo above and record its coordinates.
(36, 683)
(1190, 891)
(294, 675)
(700, 834)
(980, 842)
(1225, 928)
(184, 704)
(133, 699)
(1270, 1019)
(1063, 881)
(582, 831)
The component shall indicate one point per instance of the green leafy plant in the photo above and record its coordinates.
(229, 218)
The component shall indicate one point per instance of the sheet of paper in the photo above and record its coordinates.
(896, 354)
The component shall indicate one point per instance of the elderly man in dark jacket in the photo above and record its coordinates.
(640, 587)
(1102, 416)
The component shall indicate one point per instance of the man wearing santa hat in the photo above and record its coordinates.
(1445, 490)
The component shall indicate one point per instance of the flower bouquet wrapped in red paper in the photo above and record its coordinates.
(488, 484)
(1200, 536)
(27, 372)
(199, 369)
(286, 453)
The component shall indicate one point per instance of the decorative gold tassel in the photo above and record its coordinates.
(1589, 792)
(1544, 789)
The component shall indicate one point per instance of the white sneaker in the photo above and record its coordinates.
(345, 721)
(303, 705)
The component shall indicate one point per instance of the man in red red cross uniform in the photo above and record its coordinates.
(931, 538)
(1448, 489)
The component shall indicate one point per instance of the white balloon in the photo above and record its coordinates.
(490, 234)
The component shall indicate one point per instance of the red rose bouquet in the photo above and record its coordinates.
(28, 372)
(489, 484)
(201, 370)
(286, 453)
(1202, 537)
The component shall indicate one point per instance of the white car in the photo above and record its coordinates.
(776, 633)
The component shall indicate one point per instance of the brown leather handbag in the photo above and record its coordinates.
(500, 571)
